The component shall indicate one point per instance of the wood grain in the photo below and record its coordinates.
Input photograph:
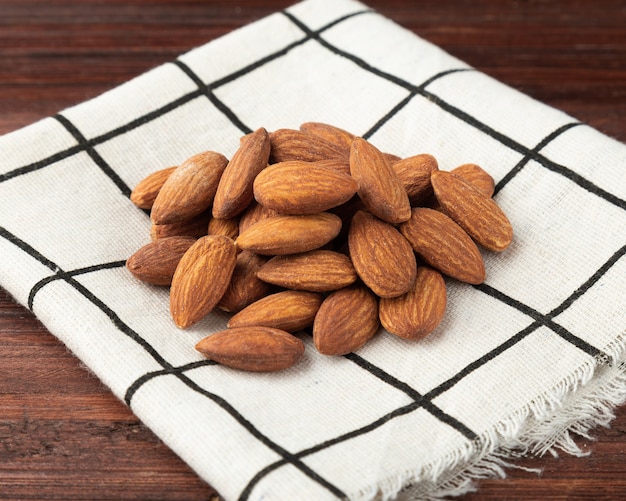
(63, 435)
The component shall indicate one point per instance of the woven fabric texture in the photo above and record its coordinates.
(518, 362)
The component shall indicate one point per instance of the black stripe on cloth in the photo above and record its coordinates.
(62, 275)
(414, 394)
(87, 146)
(139, 382)
(465, 117)
(168, 368)
(394, 111)
(468, 369)
(542, 144)
(206, 90)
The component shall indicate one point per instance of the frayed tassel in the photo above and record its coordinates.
(580, 403)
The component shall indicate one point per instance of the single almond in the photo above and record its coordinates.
(414, 172)
(346, 320)
(244, 287)
(444, 245)
(155, 262)
(479, 215)
(190, 188)
(257, 348)
(146, 191)
(195, 227)
(476, 175)
(290, 311)
(330, 133)
(417, 313)
(254, 213)
(379, 186)
(291, 144)
(234, 191)
(381, 256)
(285, 234)
(316, 270)
(201, 278)
(302, 188)
(227, 227)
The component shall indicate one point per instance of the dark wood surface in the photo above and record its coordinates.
(62, 434)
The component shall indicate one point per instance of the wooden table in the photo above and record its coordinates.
(62, 434)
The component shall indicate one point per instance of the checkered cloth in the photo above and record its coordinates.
(518, 363)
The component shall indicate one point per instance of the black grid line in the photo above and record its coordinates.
(287, 458)
(522, 163)
(167, 367)
(62, 275)
(93, 154)
(208, 92)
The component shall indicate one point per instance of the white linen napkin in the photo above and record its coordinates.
(518, 364)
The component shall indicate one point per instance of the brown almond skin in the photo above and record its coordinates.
(479, 215)
(379, 186)
(227, 227)
(244, 287)
(190, 189)
(146, 191)
(417, 313)
(257, 348)
(195, 227)
(335, 135)
(346, 320)
(292, 144)
(290, 311)
(254, 213)
(444, 245)
(381, 256)
(302, 188)
(201, 278)
(234, 191)
(317, 271)
(476, 175)
(414, 172)
(155, 262)
(285, 234)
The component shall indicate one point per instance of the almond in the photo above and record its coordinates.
(227, 227)
(291, 144)
(381, 256)
(302, 188)
(339, 137)
(253, 214)
(244, 287)
(285, 234)
(316, 270)
(417, 313)
(476, 175)
(146, 191)
(290, 311)
(414, 172)
(346, 320)
(479, 215)
(379, 186)
(444, 245)
(259, 349)
(156, 261)
(201, 278)
(195, 227)
(234, 191)
(190, 189)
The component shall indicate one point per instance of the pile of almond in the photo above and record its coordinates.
(313, 228)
